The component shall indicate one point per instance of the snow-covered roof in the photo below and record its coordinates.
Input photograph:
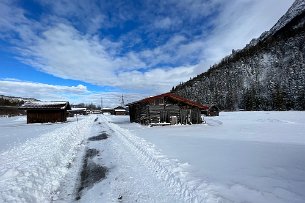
(107, 108)
(46, 105)
(122, 110)
(78, 109)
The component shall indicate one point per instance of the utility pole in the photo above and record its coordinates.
(122, 102)
(101, 103)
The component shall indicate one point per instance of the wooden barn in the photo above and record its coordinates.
(77, 111)
(166, 108)
(120, 111)
(107, 111)
(213, 110)
(44, 112)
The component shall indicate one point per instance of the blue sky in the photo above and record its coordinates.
(83, 50)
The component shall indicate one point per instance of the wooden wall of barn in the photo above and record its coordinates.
(45, 116)
(150, 113)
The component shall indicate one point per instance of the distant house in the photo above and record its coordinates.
(109, 111)
(77, 111)
(213, 110)
(10, 111)
(120, 110)
(96, 111)
(44, 112)
(166, 108)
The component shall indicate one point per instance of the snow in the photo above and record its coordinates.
(240, 156)
(14, 131)
(32, 171)
(131, 175)
(78, 109)
(46, 103)
(296, 9)
(236, 157)
(121, 110)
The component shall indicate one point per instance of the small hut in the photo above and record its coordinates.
(164, 109)
(44, 112)
(107, 111)
(77, 111)
(213, 110)
(120, 111)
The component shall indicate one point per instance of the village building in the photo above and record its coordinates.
(78, 111)
(166, 108)
(44, 112)
(120, 111)
(107, 111)
(10, 111)
(213, 110)
(96, 111)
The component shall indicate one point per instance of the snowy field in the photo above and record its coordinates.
(34, 157)
(236, 157)
(14, 130)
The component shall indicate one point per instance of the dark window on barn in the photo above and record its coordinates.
(159, 101)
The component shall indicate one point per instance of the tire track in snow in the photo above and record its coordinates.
(171, 171)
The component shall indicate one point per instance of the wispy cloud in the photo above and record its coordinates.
(26, 89)
(238, 22)
(74, 94)
(168, 42)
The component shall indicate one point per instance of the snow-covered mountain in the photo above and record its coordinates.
(295, 10)
(269, 73)
(12, 101)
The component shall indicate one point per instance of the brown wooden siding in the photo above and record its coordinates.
(120, 113)
(162, 111)
(45, 116)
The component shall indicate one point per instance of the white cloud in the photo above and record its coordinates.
(156, 80)
(112, 99)
(85, 15)
(238, 22)
(40, 90)
(60, 49)
(74, 94)
(164, 23)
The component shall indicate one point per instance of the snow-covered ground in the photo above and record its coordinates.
(236, 157)
(32, 170)
(14, 130)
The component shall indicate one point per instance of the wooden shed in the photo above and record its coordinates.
(166, 108)
(44, 112)
(213, 110)
(109, 111)
(77, 111)
(120, 111)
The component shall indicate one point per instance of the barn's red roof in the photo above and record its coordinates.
(174, 97)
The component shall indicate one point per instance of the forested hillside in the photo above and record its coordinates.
(268, 74)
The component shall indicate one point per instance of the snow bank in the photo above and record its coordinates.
(174, 173)
(33, 171)
(14, 131)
